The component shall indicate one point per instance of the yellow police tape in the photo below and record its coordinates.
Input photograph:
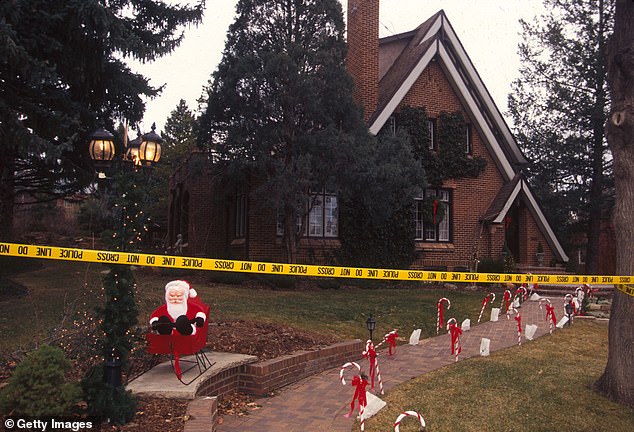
(181, 262)
(627, 289)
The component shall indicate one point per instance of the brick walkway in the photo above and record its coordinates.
(318, 403)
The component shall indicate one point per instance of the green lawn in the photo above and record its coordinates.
(62, 292)
(541, 386)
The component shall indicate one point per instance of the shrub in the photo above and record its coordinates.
(37, 387)
(489, 265)
(114, 404)
(277, 281)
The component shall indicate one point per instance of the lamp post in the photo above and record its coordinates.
(120, 308)
(143, 151)
(370, 323)
(569, 312)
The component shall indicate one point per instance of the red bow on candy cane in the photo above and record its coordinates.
(507, 300)
(359, 383)
(370, 354)
(550, 312)
(391, 341)
(455, 332)
(518, 318)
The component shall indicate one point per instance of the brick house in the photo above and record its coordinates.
(426, 67)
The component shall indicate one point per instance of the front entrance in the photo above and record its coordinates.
(512, 231)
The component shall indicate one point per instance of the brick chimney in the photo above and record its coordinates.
(363, 52)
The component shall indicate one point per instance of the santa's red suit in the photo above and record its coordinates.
(182, 311)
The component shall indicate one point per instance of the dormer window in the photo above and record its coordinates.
(431, 126)
(391, 125)
(468, 140)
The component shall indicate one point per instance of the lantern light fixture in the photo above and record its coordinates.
(150, 147)
(101, 146)
(371, 325)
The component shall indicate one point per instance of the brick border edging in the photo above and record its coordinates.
(263, 377)
(202, 413)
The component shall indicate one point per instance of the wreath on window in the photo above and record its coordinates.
(433, 210)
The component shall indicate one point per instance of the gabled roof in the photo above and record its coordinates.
(408, 54)
(436, 40)
(519, 188)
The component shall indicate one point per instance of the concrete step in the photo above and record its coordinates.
(161, 380)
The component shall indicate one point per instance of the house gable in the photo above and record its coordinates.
(405, 58)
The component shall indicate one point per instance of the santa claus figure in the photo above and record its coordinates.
(182, 312)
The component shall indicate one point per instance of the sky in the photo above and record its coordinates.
(488, 29)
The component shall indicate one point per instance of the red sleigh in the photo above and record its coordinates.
(177, 345)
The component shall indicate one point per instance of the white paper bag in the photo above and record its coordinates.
(535, 297)
(516, 302)
(374, 405)
(484, 346)
(415, 337)
(562, 322)
(529, 331)
(466, 325)
(495, 313)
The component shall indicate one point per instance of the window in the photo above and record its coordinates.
(322, 219)
(468, 143)
(391, 124)
(241, 215)
(425, 228)
(431, 125)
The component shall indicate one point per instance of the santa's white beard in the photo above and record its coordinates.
(177, 309)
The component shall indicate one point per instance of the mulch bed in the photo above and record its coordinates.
(157, 414)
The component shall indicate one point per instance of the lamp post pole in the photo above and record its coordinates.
(120, 312)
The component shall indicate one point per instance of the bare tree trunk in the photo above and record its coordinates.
(594, 219)
(598, 135)
(617, 380)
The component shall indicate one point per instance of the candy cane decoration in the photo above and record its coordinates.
(521, 290)
(580, 293)
(346, 365)
(484, 304)
(455, 331)
(410, 414)
(359, 382)
(550, 313)
(370, 354)
(390, 338)
(378, 375)
(518, 318)
(440, 322)
(506, 301)
(361, 416)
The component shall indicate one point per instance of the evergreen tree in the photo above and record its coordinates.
(279, 109)
(62, 75)
(376, 213)
(180, 135)
(616, 380)
(179, 139)
(559, 106)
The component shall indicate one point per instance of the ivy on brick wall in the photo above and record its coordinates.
(449, 160)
